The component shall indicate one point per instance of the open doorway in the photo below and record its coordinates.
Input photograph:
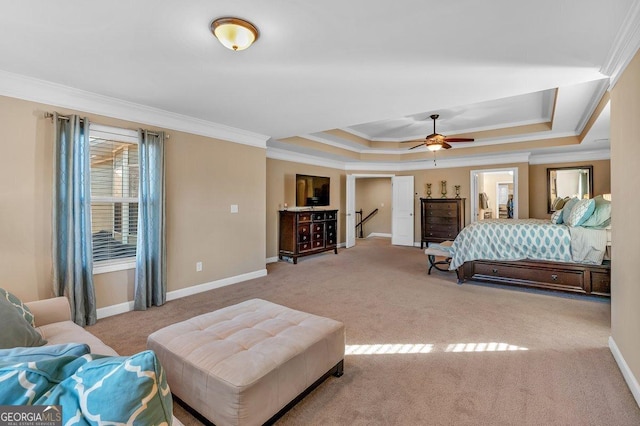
(494, 194)
(373, 207)
(387, 201)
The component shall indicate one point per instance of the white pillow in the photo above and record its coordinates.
(556, 217)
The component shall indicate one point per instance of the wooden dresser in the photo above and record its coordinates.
(307, 232)
(441, 219)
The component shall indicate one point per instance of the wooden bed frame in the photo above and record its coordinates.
(576, 278)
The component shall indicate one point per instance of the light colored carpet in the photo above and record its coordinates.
(483, 355)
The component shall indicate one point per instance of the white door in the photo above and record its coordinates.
(402, 215)
(351, 211)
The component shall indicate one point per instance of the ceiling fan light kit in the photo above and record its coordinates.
(234, 33)
(434, 146)
(435, 141)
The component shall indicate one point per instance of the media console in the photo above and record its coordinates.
(306, 232)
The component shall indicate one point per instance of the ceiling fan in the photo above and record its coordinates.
(436, 141)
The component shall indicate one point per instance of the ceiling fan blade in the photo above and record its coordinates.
(445, 145)
(458, 139)
(417, 146)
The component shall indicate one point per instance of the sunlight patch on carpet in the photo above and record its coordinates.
(425, 348)
(483, 347)
(389, 348)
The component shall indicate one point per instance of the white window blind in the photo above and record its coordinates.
(114, 196)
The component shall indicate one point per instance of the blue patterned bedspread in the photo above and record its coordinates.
(512, 239)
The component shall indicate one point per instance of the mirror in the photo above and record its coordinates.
(568, 182)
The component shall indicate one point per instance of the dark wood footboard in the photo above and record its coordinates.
(566, 277)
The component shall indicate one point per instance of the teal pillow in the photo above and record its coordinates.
(580, 212)
(21, 307)
(24, 383)
(43, 352)
(556, 217)
(93, 389)
(566, 209)
(16, 331)
(115, 390)
(601, 216)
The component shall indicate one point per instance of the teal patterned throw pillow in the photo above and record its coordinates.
(580, 212)
(21, 307)
(556, 217)
(566, 209)
(41, 353)
(25, 382)
(92, 389)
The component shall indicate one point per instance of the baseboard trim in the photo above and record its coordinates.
(109, 311)
(379, 234)
(183, 292)
(631, 380)
(272, 259)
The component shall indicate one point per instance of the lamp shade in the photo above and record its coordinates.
(234, 33)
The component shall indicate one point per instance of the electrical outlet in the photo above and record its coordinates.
(234, 208)
(198, 266)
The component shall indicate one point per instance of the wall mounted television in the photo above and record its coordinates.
(312, 191)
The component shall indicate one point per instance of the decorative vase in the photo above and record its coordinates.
(443, 191)
(457, 191)
(428, 185)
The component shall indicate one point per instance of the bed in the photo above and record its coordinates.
(533, 253)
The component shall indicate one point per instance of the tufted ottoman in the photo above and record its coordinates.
(248, 363)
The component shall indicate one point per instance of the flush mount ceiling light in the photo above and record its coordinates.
(234, 33)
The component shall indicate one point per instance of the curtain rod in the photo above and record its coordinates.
(65, 117)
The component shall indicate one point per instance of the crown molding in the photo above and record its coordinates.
(445, 163)
(284, 155)
(603, 85)
(570, 157)
(417, 138)
(335, 144)
(427, 163)
(45, 92)
(624, 47)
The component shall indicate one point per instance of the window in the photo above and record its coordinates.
(114, 195)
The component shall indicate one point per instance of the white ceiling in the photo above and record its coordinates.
(373, 68)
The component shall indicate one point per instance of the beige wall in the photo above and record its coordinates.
(371, 194)
(625, 181)
(538, 179)
(281, 188)
(459, 176)
(462, 176)
(204, 177)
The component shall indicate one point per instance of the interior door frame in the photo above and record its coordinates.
(351, 230)
(475, 191)
(350, 222)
